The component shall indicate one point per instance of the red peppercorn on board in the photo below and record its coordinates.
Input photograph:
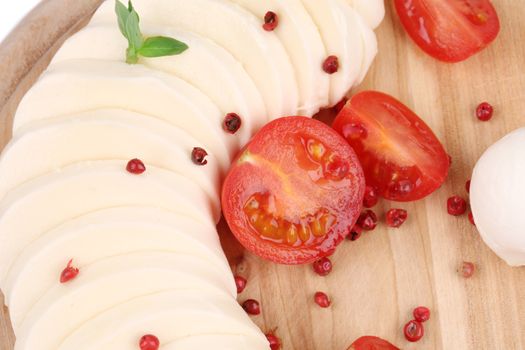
(377, 280)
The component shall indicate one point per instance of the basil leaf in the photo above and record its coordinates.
(122, 15)
(133, 31)
(160, 46)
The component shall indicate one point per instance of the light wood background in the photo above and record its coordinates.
(379, 279)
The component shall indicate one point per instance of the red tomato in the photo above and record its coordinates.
(371, 343)
(449, 30)
(401, 156)
(294, 192)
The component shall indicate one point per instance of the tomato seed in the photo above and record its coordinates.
(135, 166)
(414, 331)
(368, 220)
(484, 111)
(456, 206)
(251, 307)
(421, 314)
(240, 283)
(149, 342)
(322, 300)
(69, 273)
(396, 217)
(323, 266)
(198, 156)
(331, 64)
(467, 269)
(271, 21)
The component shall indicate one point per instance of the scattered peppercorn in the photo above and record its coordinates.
(135, 166)
(271, 21)
(331, 64)
(198, 156)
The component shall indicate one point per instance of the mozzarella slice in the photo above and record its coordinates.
(337, 23)
(110, 282)
(241, 33)
(368, 41)
(103, 135)
(217, 342)
(85, 85)
(170, 316)
(205, 65)
(372, 11)
(55, 198)
(101, 235)
(304, 45)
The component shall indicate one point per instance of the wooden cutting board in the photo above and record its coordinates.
(379, 279)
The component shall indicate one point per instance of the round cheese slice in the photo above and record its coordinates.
(338, 25)
(238, 31)
(110, 282)
(36, 207)
(108, 134)
(170, 316)
(372, 11)
(101, 235)
(86, 85)
(303, 43)
(205, 65)
(217, 342)
(368, 40)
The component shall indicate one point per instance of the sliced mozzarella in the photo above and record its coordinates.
(217, 342)
(82, 188)
(84, 85)
(372, 11)
(205, 65)
(103, 135)
(338, 24)
(169, 315)
(301, 38)
(240, 32)
(368, 40)
(100, 235)
(110, 282)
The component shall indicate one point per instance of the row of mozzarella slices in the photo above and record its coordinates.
(149, 256)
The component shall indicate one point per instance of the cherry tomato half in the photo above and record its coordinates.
(401, 156)
(371, 343)
(294, 191)
(449, 30)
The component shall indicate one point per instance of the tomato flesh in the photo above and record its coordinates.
(294, 192)
(400, 155)
(449, 30)
(372, 343)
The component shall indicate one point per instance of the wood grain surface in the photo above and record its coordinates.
(377, 280)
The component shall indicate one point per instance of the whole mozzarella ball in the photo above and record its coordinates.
(497, 193)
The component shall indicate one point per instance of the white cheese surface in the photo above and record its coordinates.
(496, 196)
(146, 245)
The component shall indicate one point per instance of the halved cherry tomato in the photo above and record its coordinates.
(449, 30)
(371, 343)
(294, 191)
(399, 153)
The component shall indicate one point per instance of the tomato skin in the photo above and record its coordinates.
(449, 30)
(400, 155)
(371, 343)
(273, 164)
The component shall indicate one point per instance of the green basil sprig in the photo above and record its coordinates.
(138, 45)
